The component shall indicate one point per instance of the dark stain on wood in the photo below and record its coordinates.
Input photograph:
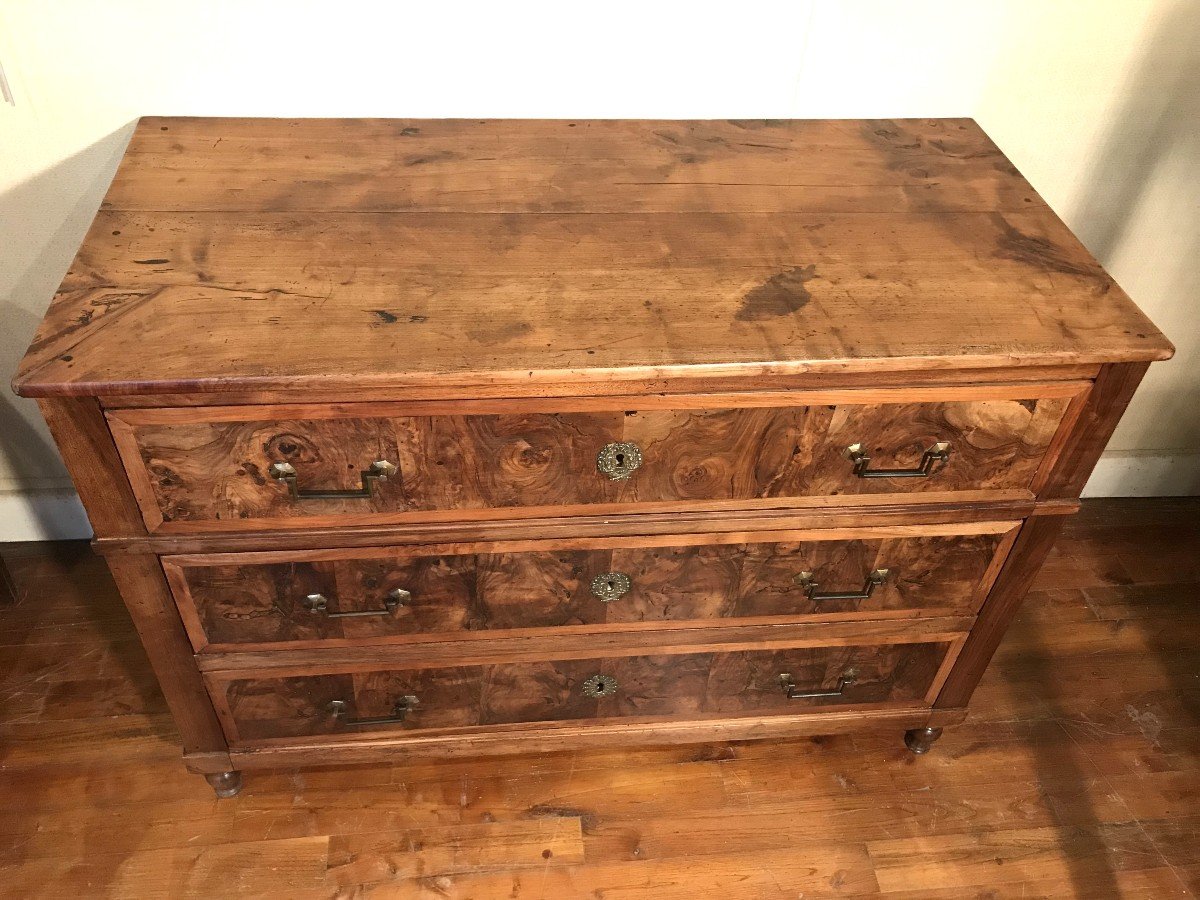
(506, 332)
(385, 317)
(421, 159)
(779, 295)
(894, 137)
(151, 262)
(1037, 251)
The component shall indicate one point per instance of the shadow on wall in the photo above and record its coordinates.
(1156, 120)
(1153, 137)
(1152, 132)
(42, 222)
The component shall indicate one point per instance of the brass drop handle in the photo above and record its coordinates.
(875, 578)
(796, 693)
(319, 603)
(381, 470)
(611, 586)
(618, 461)
(938, 453)
(400, 711)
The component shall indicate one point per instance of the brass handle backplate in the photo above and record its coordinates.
(938, 453)
(875, 578)
(381, 470)
(399, 712)
(619, 460)
(796, 693)
(600, 686)
(319, 603)
(611, 586)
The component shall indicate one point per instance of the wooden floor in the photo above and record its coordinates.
(1077, 774)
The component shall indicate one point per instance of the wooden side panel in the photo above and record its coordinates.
(1107, 402)
(140, 580)
(81, 433)
(1029, 551)
(263, 599)
(669, 686)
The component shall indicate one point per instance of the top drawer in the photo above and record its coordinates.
(238, 467)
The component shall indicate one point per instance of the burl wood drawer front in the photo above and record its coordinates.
(220, 468)
(689, 685)
(233, 600)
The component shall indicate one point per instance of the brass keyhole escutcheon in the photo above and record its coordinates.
(600, 686)
(611, 586)
(618, 461)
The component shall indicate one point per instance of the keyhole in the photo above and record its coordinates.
(612, 585)
(620, 459)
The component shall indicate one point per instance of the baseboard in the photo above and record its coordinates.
(51, 515)
(1174, 474)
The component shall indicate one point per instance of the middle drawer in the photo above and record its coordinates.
(412, 593)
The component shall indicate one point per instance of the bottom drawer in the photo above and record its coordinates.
(672, 686)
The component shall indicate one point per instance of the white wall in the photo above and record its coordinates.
(1095, 100)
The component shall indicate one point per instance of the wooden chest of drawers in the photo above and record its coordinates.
(454, 437)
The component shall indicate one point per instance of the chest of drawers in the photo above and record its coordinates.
(457, 437)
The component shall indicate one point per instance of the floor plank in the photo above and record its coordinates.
(1077, 773)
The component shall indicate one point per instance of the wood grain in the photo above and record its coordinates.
(337, 656)
(418, 164)
(230, 600)
(589, 524)
(1107, 402)
(1097, 420)
(639, 384)
(83, 439)
(486, 304)
(140, 580)
(1033, 543)
(189, 472)
(1050, 774)
(674, 686)
(262, 256)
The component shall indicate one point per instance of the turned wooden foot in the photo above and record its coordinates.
(919, 740)
(226, 784)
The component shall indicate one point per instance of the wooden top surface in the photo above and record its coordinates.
(278, 255)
